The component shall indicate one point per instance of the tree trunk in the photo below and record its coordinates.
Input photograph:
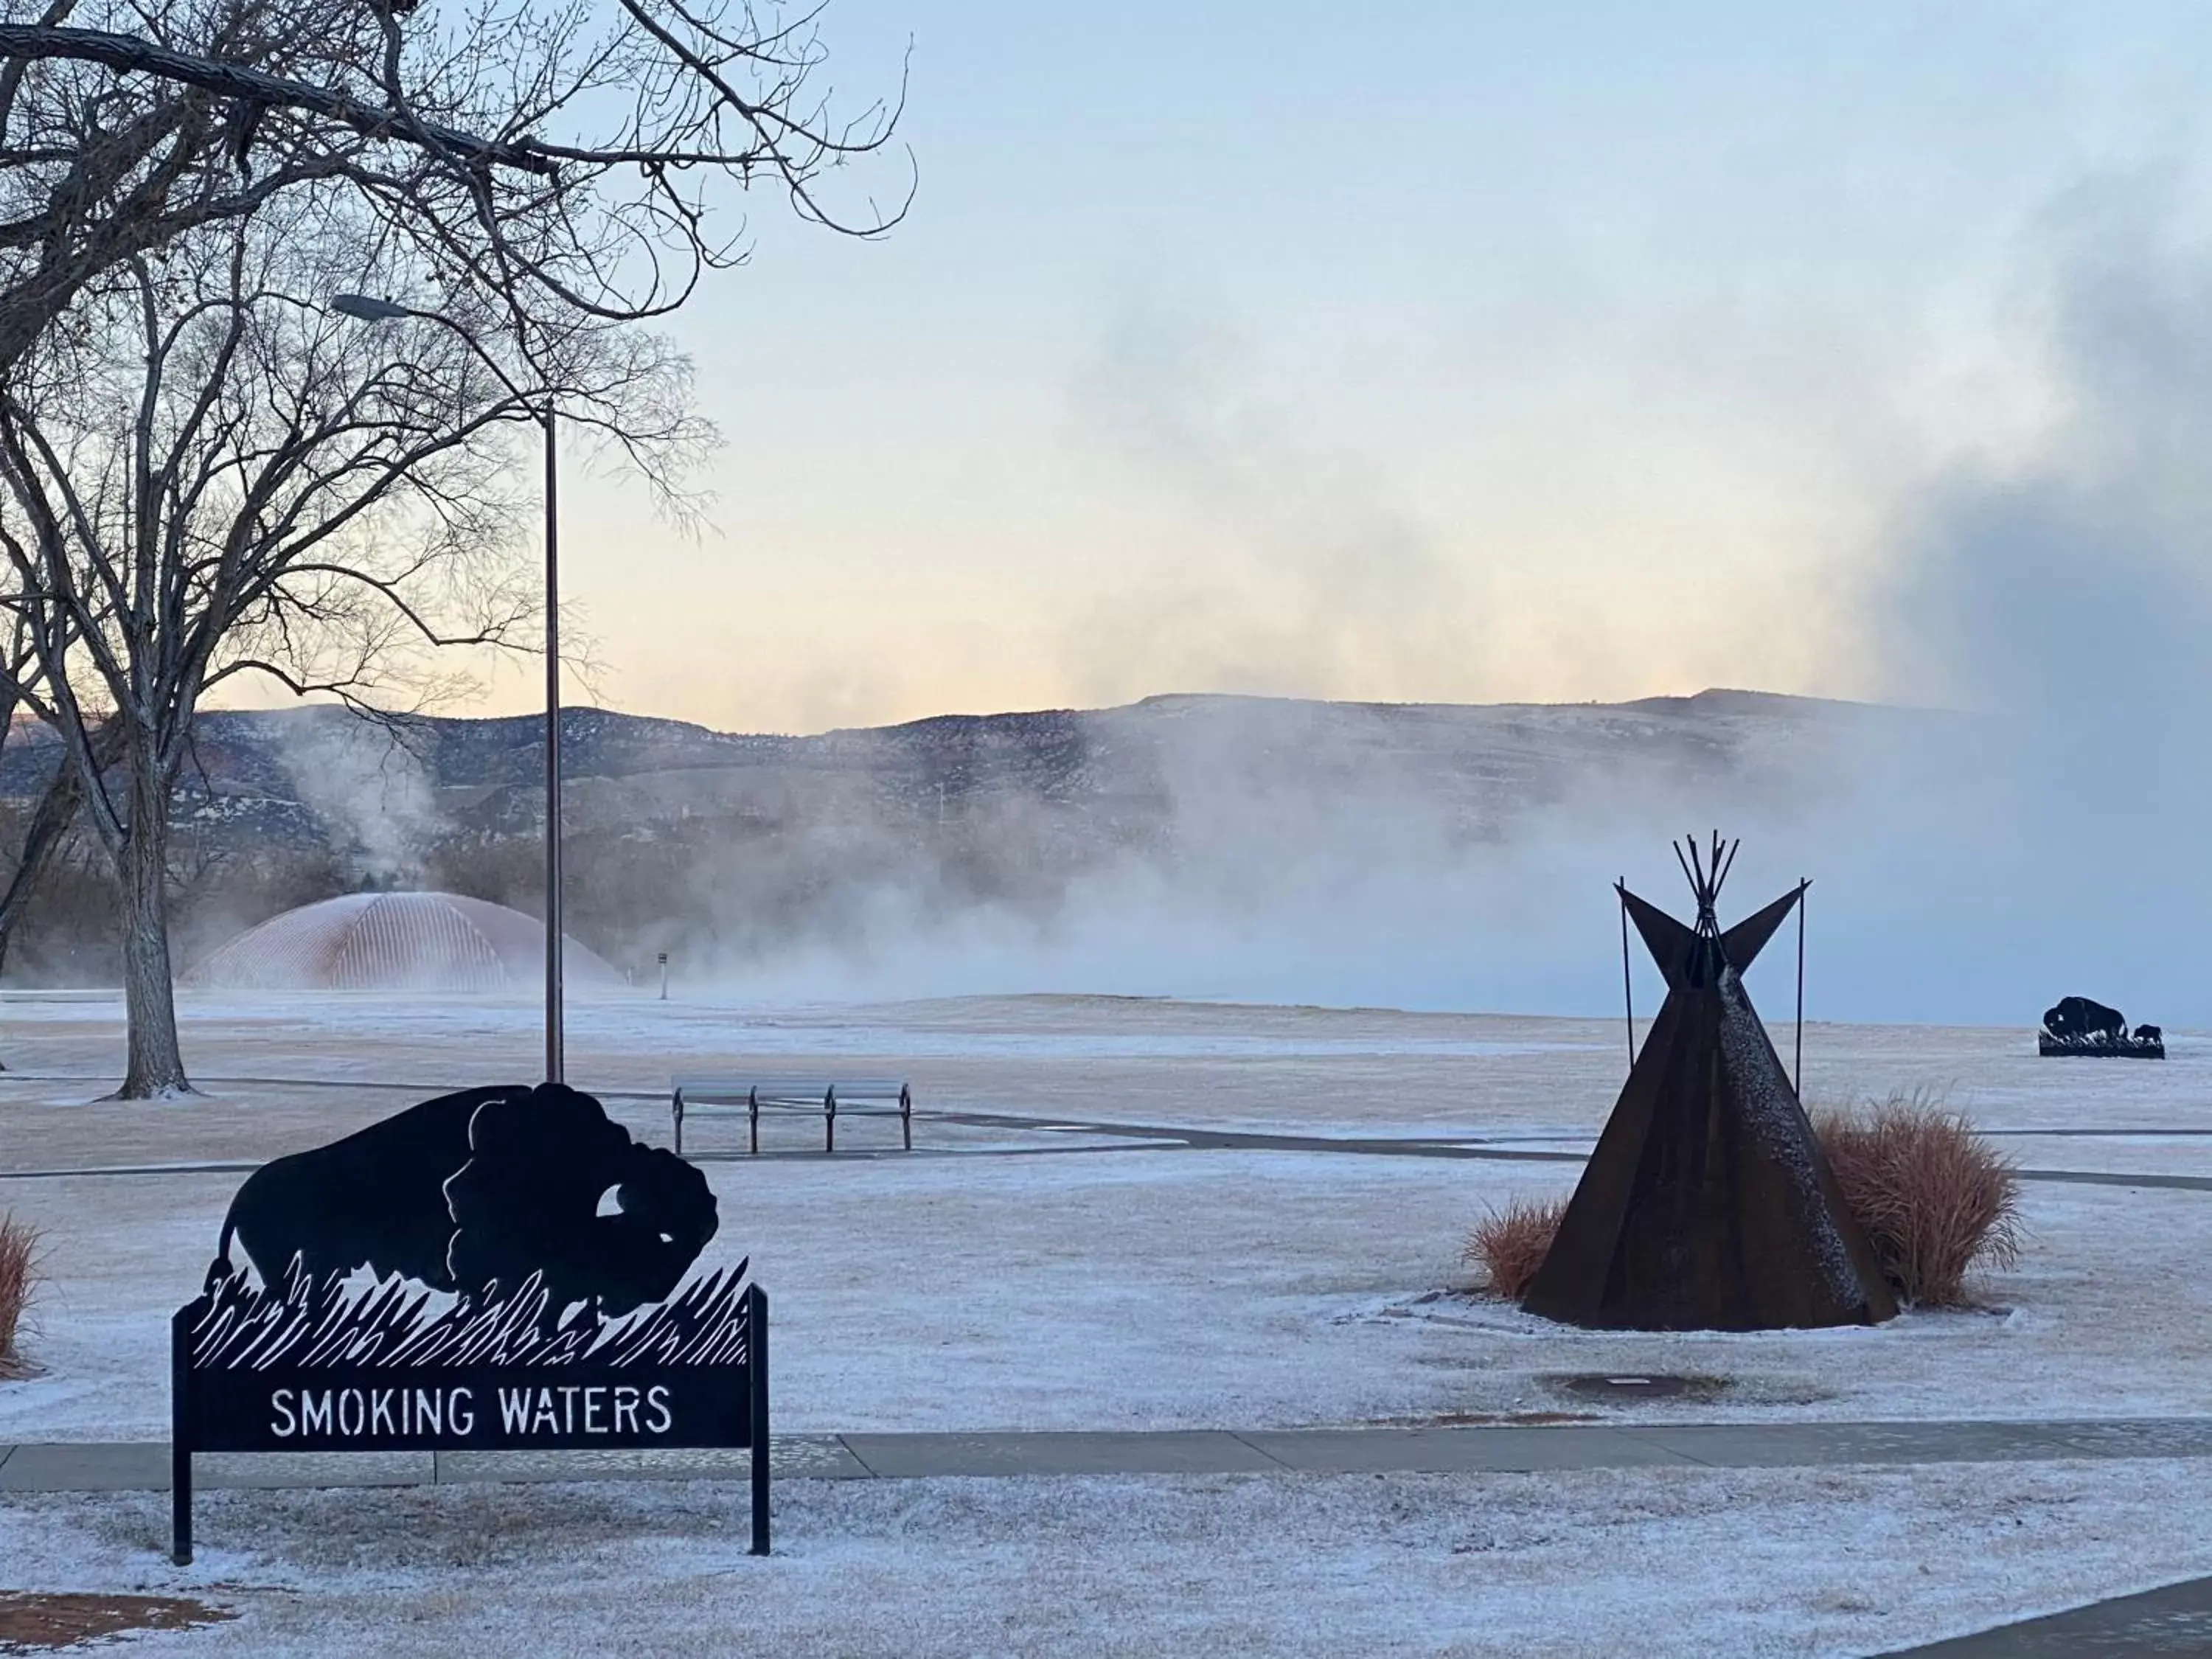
(156, 1066)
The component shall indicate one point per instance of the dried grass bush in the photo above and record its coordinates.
(19, 1279)
(1510, 1244)
(1933, 1198)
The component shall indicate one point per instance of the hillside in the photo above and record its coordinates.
(724, 844)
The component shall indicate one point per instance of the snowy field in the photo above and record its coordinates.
(1006, 1278)
(1657, 1564)
(1012, 1276)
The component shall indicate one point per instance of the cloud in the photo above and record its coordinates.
(1283, 562)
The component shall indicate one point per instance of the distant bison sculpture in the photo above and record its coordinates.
(2081, 1016)
(480, 1190)
(2081, 1026)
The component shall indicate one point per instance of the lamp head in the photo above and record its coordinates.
(367, 308)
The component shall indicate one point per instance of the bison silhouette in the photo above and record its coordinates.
(477, 1191)
(552, 1187)
(2076, 1017)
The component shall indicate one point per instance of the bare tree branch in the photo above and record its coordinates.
(560, 158)
(128, 54)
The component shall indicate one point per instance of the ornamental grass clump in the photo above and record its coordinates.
(1933, 1198)
(1510, 1244)
(18, 1278)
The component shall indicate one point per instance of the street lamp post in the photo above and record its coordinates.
(554, 1043)
(366, 308)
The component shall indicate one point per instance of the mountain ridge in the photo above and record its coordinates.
(677, 836)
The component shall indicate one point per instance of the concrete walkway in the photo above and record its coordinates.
(1108, 1138)
(1121, 1137)
(144, 1466)
(2172, 1621)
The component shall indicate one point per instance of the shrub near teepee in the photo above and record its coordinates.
(1510, 1244)
(19, 1277)
(1932, 1197)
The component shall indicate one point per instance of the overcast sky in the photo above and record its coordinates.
(1454, 351)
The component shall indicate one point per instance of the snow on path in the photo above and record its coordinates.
(1667, 1564)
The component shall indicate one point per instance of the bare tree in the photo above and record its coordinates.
(566, 156)
(204, 476)
(543, 167)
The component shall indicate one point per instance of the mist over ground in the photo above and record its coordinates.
(1422, 856)
(1415, 856)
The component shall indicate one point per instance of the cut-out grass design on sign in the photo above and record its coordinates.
(241, 1326)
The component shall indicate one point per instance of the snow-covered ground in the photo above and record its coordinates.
(1669, 1564)
(1008, 1277)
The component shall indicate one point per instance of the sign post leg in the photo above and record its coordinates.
(756, 1355)
(180, 1441)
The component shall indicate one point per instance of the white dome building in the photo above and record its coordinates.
(397, 942)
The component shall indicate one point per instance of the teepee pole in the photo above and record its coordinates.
(1627, 986)
(1797, 1080)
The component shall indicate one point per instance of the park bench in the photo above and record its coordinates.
(844, 1098)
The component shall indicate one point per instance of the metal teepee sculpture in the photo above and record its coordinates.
(1707, 1204)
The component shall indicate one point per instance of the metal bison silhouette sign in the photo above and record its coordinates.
(516, 1259)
